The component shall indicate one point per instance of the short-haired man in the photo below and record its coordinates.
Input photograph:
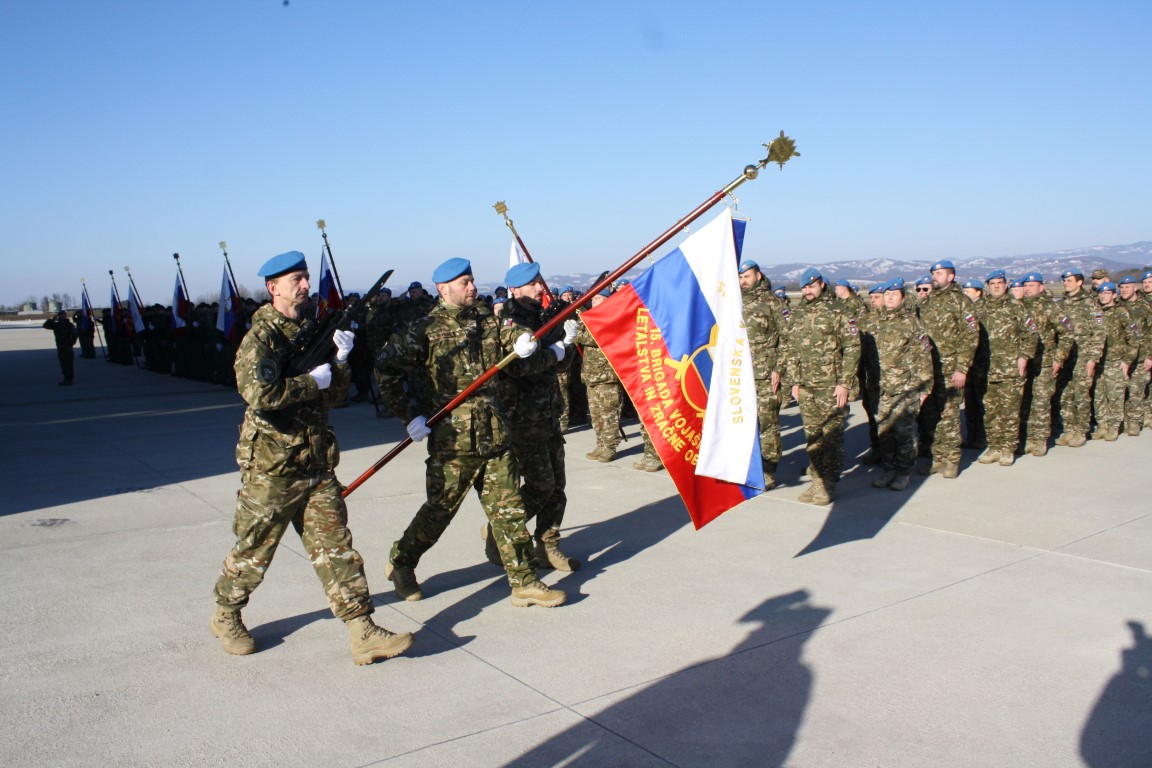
(762, 316)
(1120, 350)
(1074, 385)
(1140, 312)
(1054, 332)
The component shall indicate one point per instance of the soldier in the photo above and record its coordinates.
(288, 454)
(1016, 290)
(86, 329)
(534, 408)
(568, 294)
(66, 337)
(1074, 386)
(1055, 344)
(444, 352)
(977, 384)
(1011, 344)
(951, 323)
(822, 355)
(1120, 349)
(762, 318)
(416, 304)
(603, 392)
(923, 288)
(1138, 378)
(1099, 277)
(904, 354)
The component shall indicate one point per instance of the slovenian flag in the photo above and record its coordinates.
(677, 340)
(87, 324)
(180, 308)
(230, 313)
(116, 321)
(135, 309)
(327, 296)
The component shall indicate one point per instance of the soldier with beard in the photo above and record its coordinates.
(762, 316)
(1011, 344)
(1074, 386)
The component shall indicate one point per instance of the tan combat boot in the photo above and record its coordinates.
(548, 554)
(807, 494)
(825, 492)
(370, 642)
(990, 456)
(1040, 449)
(537, 592)
(1076, 441)
(648, 464)
(1007, 458)
(1132, 430)
(602, 454)
(228, 626)
(949, 471)
(405, 581)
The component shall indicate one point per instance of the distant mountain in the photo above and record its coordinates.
(1114, 258)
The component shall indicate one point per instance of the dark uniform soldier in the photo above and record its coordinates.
(822, 356)
(604, 398)
(1012, 342)
(1055, 336)
(762, 316)
(951, 323)
(443, 352)
(1120, 350)
(534, 406)
(86, 328)
(1138, 377)
(288, 454)
(66, 337)
(1074, 386)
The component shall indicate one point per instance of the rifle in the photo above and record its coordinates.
(313, 344)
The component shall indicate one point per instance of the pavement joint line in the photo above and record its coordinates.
(106, 397)
(122, 415)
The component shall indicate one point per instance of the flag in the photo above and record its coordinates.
(517, 256)
(180, 308)
(87, 324)
(230, 315)
(327, 295)
(114, 313)
(676, 338)
(135, 310)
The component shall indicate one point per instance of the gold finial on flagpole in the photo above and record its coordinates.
(224, 246)
(320, 224)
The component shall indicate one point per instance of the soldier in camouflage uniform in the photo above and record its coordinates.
(288, 454)
(1139, 376)
(1054, 331)
(762, 317)
(951, 322)
(1145, 295)
(603, 391)
(821, 358)
(1012, 342)
(977, 384)
(443, 352)
(1074, 385)
(905, 363)
(1120, 349)
(534, 407)
(857, 309)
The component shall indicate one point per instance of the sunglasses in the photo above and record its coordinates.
(923, 290)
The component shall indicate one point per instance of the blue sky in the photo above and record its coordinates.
(132, 130)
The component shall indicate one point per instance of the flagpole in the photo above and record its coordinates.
(180, 274)
(228, 266)
(119, 301)
(502, 209)
(780, 150)
(336, 275)
(134, 296)
(95, 325)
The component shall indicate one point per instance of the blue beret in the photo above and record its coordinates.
(810, 276)
(894, 285)
(623, 282)
(844, 283)
(1146, 275)
(1016, 284)
(996, 274)
(416, 284)
(522, 274)
(567, 289)
(878, 288)
(942, 264)
(974, 284)
(897, 281)
(926, 280)
(781, 292)
(498, 300)
(1127, 280)
(746, 265)
(1074, 272)
(282, 264)
(1033, 277)
(1107, 285)
(606, 292)
(448, 271)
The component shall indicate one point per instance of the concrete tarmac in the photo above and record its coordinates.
(999, 619)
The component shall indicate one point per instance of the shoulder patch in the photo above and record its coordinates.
(926, 342)
(268, 370)
(973, 323)
(1099, 318)
(1066, 321)
(852, 329)
(1031, 324)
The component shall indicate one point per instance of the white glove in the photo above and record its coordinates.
(323, 375)
(570, 329)
(344, 341)
(418, 429)
(558, 349)
(525, 345)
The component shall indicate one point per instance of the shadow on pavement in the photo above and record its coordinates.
(1118, 733)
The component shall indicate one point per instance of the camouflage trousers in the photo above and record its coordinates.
(449, 477)
(1075, 392)
(1135, 411)
(1002, 413)
(940, 423)
(649, 447)
(1108, 400)
(565, 397)
(975, 389)
(823, 432)
(768, 411)
(896, 424)
(265, 508)
(604, 408)
(1036, 407)
(541, 461)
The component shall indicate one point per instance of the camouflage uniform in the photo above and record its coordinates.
(761, 316)
(1054, 331)
(444, 352)
(287, 455)
(950, 320)
(975, 389)
(1138, 378)
(1011, 336)
(603, 391)
(905, 363)
(869, 374)
(66, 336)
(1074, 385)
(1121, 343)
(823, 352)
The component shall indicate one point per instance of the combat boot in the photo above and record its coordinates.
(884, 480)
(950, 471)
(1111, 434)
(769, 475)
(901, 482)
(648, 464)
(990, 456)
(228, 626)
(602, 454)
(549, 555)
(807, 494)
(1062, 440)
(929, 469)
(491, 551)
(405, 582)
(1007, 458)
(537, 592)
(1040, 449)
(825, 492)
(371, 642)
(1133, 430)
(1076, 441)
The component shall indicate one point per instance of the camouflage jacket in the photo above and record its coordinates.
(762, 318)
(594, 368)
(1052, 326)
(441, 354)
(285, 430)
(1121, 339)
(1141, 314)
(1086, 321)
(823, 347)
(950, 320)
(534, 400)
(904, 349)
(1011, 336)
